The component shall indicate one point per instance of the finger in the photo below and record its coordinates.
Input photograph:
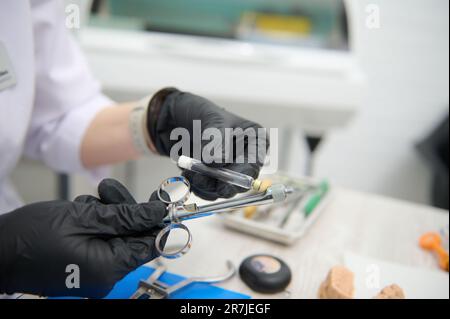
(210, 189)
(112, 191)
(202, 186)
(86, 199)
(155, 196)
(120, 219)
(225, 190)
(214, 150)
(252, 147)
(134, 251)
(200, 181)
(260, 144)
(206, 195)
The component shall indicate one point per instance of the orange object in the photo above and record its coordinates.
(433, 242)
(250, 211)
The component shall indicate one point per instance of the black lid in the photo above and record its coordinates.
(265, 273)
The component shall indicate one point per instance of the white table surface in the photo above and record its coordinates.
(366, 224)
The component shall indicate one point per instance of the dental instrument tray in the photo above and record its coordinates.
(283, 222)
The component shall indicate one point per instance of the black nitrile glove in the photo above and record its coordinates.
(105, 237)
(170, 109)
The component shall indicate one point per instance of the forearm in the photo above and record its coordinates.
(108, 138)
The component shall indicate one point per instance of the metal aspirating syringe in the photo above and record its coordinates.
(274, 194)
(179, 211)
(222, 174)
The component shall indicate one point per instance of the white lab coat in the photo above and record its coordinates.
(45, 115)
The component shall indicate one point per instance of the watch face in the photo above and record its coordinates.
(265, 264)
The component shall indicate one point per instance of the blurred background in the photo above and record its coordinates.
(285, 22)
(358, 89)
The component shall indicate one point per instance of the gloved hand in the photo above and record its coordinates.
(106, 237)
(170, 109)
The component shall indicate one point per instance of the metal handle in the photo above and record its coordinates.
(275, 193)
(231, 271)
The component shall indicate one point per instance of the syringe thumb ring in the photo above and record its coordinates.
(162, 236)
(164, 195)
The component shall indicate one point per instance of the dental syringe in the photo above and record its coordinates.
(222, 174)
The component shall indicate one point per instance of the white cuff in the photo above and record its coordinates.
(138, 126)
